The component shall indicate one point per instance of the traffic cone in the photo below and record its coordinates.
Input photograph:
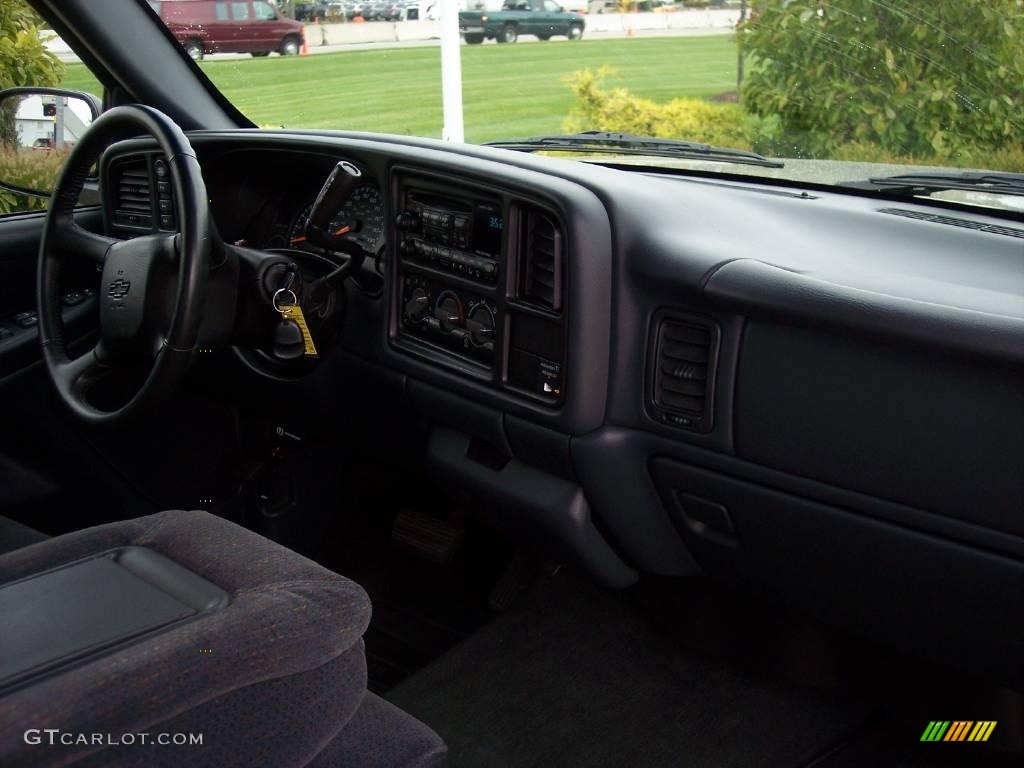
(305, 46)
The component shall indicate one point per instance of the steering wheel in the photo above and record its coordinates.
(148, 322)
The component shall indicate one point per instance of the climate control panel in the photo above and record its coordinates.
(455, 319)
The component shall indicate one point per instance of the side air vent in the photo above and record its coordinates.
(980, 226)
(542, 260)
(133, 195)
(682, 380)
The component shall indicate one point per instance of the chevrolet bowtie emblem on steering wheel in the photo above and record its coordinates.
(119, 288)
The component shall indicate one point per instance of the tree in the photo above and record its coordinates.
(24, 60)
(915, 77)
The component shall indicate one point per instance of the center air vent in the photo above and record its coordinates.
(133, 201)
(542, 260)
(682, 381)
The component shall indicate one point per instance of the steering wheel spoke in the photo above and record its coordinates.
(74, 242)
(74, 376)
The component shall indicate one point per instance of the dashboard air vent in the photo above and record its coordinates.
(133, 203)
(684, 368)
(994, 229)
(542, 259)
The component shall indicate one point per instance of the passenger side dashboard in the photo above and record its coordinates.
(789, 389)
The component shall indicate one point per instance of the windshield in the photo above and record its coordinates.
(839, 90)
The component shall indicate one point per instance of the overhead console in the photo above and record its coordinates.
(481, 284)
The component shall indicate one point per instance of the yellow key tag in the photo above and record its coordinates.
(294, 312)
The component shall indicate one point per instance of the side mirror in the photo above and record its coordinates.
(38, 128)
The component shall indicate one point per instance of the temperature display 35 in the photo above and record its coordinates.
(488, 224)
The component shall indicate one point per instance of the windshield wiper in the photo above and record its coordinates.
(923, 184)
(628, 144)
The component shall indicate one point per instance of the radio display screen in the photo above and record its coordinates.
(488, 222)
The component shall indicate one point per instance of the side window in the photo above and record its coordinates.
(38, 131)
(551, 6)
(240, 11)
(263, 11)
(220, 10)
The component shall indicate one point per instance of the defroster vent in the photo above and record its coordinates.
(685, 354)
(542, 259)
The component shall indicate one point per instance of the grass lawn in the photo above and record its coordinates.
(508, 90)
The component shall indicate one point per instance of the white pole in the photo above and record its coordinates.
(58, 124)
(451, 72)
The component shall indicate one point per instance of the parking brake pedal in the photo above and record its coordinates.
(434, 540)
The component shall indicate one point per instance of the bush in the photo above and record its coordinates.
(28, 168)
(919, 77)
(24, 60)
(601, 109)
(616, 110)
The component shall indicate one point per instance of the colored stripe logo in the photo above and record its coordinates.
(958, 730)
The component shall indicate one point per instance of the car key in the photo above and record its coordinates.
(292, 337)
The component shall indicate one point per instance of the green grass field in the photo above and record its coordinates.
(508, 90)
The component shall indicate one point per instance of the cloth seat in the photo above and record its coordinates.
(274, 676)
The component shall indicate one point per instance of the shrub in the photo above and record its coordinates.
(917, 77)
(616, 109)
(24, 60)
(28, 168)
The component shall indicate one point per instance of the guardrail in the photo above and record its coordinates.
(320, 35)
(400, 31)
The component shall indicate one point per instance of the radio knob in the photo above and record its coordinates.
(407, 221)
(408, 247)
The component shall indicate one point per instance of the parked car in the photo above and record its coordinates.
(356, 9)
(394, 10)
(543, 18)
(310, 11)
(377, 10)
(239, 26)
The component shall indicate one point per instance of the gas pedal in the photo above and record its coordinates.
(519, 575)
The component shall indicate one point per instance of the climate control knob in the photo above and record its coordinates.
(448, 311)
(417, 306)
(480, 324)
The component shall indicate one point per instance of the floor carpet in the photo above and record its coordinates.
(578, 676)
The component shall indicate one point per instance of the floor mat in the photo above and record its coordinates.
(576, 676)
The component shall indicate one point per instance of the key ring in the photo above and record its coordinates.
(278, 292)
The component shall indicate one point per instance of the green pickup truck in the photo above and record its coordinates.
(543, 18)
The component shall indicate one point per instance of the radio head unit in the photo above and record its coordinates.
(461, 297)
(458, 235)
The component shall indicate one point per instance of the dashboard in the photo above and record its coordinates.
(663, 374)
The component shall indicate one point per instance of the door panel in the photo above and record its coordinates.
(19, 347)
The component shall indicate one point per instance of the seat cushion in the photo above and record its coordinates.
(287, 620)
(14, 535)
(380, 735)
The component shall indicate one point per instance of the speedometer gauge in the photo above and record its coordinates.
(361, 219)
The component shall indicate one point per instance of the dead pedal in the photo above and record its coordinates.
(433, 539)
